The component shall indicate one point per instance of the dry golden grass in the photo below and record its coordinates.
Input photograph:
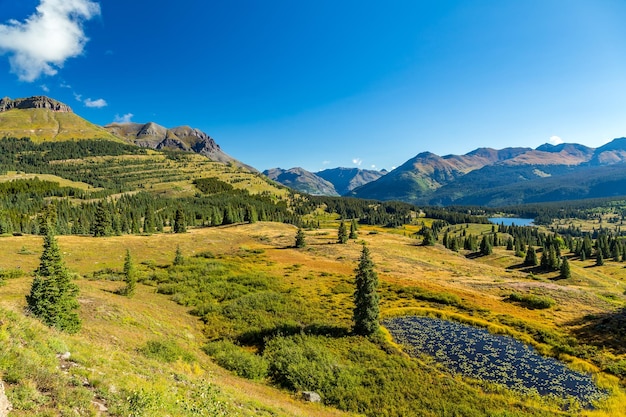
(322, 272)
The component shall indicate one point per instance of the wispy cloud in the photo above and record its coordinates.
(325, 162)
(555, 140)
(127, 118)
(99, 103)
(45, 40)
(45, 88)
(357, 161)
(373, 166)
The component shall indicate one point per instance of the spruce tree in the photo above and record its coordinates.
(342, 233)
(300, 238)
(429, 239)
(130, 276)
(366, 309)
(53, 295)
(180, 226)
(148, 221)
(531, 257)
(178, 257)
(599, 258)
(353, 229)
(565, 270)
(485, 246)
(102, 221)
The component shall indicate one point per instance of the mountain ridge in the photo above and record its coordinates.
(430, 179)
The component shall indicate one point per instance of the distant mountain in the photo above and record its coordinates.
(301, 180)
(185, 138)
(44, 119)
(347, 179)
(331, 182)
(508, 176)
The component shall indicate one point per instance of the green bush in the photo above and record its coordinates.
(165, 351)
(237, 360)
(532, 301)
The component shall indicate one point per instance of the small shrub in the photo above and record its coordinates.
(237, 360)
(165, 351)
(532, 301)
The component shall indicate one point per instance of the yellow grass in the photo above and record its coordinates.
(323, 272)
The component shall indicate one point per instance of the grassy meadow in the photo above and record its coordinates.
(279, 319)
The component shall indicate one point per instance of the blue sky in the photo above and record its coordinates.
(322, 84)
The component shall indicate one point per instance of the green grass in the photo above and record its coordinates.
(281, 317)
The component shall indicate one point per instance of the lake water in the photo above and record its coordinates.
(509, 221)
(476, 353)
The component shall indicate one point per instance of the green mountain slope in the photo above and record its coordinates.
(510, 176)
(46, 125)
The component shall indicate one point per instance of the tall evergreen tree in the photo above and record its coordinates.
(599, 258)
(180, 225)
(53, 295)
(485, 246)
(342, 233)
(353, 229)
(130, 276)
(148, 221)
(531, 257)
(366, 309)
(178, 257)
(102, 221)
(300, 238)
(565, 269)
(429, 238)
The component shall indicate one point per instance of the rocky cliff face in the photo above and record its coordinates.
(36, 102)
(185, 138)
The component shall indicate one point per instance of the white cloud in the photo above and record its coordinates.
(555, 140)
(51, 35)
(357, 161)
(373, 166)
(123, 119)
(99, 103)
(325, 162)
(65, 85)
(45, 88)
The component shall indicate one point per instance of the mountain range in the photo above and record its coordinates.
(485, 176)
(331, 182)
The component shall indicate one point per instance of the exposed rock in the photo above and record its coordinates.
(36, 102)
(5, 405)
(185, 138)
(311, 396)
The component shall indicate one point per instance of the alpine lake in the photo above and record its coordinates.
(476, 353)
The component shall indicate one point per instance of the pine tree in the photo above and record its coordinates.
(148, 221)
(178, 257)
(366, 309)
(300, 238)
(565, 270)
(531, 257)
(353, 229)
(429, 239)
(342, 233)
(599, 258)
(53, 295)
(180, 226)
(102, 221)
(485, 246)
(130, 276)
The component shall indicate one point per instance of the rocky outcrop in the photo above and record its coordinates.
(5, 405)
(184, 138)
(36, 102)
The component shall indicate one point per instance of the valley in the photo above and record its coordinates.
(229, 317)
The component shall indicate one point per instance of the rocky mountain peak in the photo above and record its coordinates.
(35, 102)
